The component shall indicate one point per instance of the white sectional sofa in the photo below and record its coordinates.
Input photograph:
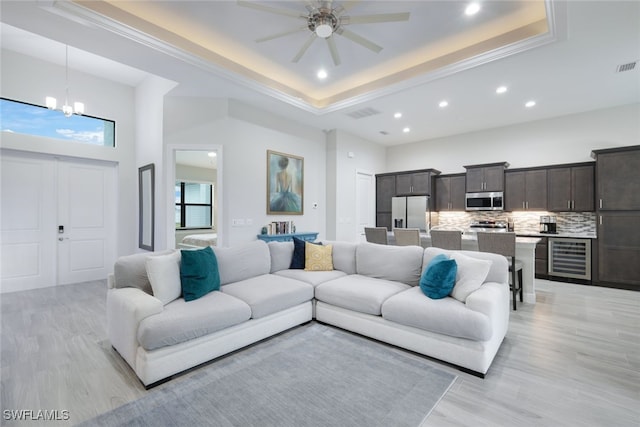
(372, 290)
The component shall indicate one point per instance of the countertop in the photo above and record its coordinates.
(566, 235)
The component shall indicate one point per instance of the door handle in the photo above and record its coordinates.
(63, 238)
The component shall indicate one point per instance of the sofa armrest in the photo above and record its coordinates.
(126, 307)
(111, 281)
(492, 299)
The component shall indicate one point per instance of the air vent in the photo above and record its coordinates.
(365, 112)
(626, 67)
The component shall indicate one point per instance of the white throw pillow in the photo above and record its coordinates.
(164, 276)
(470, 276)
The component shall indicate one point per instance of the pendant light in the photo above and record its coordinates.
(51, 102)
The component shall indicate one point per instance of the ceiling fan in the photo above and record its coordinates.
(324, 19)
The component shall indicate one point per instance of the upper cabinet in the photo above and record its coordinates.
(413, 184)
(571, 189)
(618, 178)
(450, 193)
(526, 190)
(488, 177)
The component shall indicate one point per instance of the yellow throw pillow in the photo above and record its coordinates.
(318, 257)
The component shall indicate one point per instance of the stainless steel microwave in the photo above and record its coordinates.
(491, 201)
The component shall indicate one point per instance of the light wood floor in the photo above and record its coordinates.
(572, 359)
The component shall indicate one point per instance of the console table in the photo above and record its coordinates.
(308, 236)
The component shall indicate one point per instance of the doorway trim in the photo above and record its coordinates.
(170, 226)
(372, 199)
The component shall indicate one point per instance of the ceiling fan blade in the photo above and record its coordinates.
(334, 50)
(304, 47)
(359, 39)
(269, 9)
(345, 6)
(281, 34)
(374, 19)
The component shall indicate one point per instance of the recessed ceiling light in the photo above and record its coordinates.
(472, 9)
(406, 130)
(530, 104)
(211, 154)
(443, 104)
(322, 74)
(501, 89)
(397, 115)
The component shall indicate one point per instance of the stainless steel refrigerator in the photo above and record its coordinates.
(410, 212)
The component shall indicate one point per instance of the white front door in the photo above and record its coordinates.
(365, 203)
(28, 218)
(58, 221)
(86, 221)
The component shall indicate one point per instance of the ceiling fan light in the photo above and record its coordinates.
(324, 29)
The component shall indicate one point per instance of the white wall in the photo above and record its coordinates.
(27, 79)
(244, 162)
(566, 139)
(149, 117)
(366, 156)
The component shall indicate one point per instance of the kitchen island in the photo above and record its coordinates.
(525, 252)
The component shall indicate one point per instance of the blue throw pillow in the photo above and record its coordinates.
(199, 273)
(439, 277)
(297, 260)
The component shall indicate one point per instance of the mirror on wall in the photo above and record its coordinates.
(146, 214)
(195, 198)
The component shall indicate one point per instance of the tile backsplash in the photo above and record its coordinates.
(523, 222)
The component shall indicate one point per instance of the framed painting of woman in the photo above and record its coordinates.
(285, 184)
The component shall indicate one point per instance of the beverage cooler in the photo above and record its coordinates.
(570, 258)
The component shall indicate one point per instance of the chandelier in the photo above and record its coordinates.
(51, 102)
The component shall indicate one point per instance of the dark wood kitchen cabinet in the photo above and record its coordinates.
(413, 184)
(525, 190)
(385, 190)
(489, 177)
(541, 258)
(571, 189)
(618, 179)
(619, 248)
(618, 216)
(450, 193)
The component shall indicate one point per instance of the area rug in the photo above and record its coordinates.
(313, 375)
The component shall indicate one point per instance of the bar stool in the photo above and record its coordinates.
(407, 236)
(376, 235)
(446, 239)
(504, 244)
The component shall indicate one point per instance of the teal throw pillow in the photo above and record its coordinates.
(439, 277)
(199, 273)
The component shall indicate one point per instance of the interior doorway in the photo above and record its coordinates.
(58, 220)
(365, 202)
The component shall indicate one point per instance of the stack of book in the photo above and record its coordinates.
(281, 227)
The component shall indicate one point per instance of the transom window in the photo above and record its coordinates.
(29, 119)
(193, 205)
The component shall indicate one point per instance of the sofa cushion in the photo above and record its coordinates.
(344, 255)
(395, 263)
(164, 275)
(439, 277)
(130, 271)
(470, 275)
(198, 273)
(243, 261)
(318, 257)
(298, 257)
(444, 316)
(270, 293)
(313, 278)
(498, 273)
(281, 253)
(358, 293)
(182, 321)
